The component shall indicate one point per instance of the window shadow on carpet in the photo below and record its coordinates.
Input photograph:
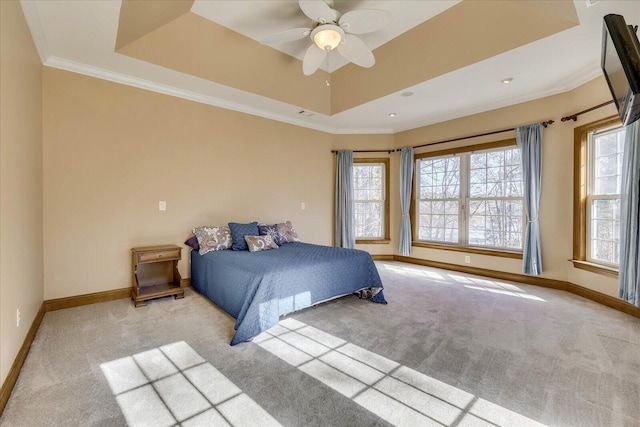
(395, 393)
(173, 385)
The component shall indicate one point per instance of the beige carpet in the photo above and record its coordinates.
(449, 349)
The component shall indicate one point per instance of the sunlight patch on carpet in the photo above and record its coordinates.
(493, 286)
(395, 393)
(173, 385)
(469, 282)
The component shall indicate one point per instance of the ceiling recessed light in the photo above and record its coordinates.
(392, 114)
(507, 80)
(406, 94)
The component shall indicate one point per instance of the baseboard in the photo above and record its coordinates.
(12, 376)
(78, 300)
(587, 293)
(51, 305)
(609, 301)
(383, 257)
(502, 275)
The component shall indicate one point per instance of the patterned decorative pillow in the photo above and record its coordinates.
(212, 238)
(287, 233)
(260, 243)
(270, 230)
(238, 231)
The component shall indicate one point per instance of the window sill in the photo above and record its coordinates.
(470, 250)
(373, 242)
(595, 268)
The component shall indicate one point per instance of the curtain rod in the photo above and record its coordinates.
(574, 117)
(545, 124)
(368, 151)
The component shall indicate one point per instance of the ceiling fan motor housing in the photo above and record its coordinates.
(334, 20)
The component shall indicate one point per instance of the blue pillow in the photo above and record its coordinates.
(270, 230)
(238, 231)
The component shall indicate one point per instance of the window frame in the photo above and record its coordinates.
(386, 209)
(581, 197)
(464, 213)
(457, 199)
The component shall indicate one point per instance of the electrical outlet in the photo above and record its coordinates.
(467, 259)
(162, 205)
(17, 317)
(303, 206)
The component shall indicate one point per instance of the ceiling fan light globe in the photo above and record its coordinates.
(327, 37)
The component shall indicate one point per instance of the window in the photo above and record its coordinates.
(495, 199)
(471, 197)
(371, 204)
(603, 195)
(597, 178)
(439, 199)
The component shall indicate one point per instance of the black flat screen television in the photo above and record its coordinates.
(621, 66)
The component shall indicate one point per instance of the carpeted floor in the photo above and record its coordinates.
(448, 349)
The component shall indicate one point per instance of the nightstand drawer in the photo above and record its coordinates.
(159, 255)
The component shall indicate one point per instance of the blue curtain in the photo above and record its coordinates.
(344, 216)
(529, 141)
(629, 269)
(406, 175)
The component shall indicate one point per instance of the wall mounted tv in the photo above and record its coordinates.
(621, 66)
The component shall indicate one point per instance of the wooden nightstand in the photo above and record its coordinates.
(154, 273)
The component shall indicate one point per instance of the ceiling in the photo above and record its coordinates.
(450, 55)
(260, 19)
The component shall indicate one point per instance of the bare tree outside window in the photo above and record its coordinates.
(603, 195)
(369, 200)
(439, 199)
(472, 199)
(495, 199)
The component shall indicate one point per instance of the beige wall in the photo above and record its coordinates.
(556, 214)
(21, 274)
(111, 152)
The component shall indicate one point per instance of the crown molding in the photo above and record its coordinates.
(578, 79)
(567, 85)
(100, 73)
(88, 70)
(32, 16)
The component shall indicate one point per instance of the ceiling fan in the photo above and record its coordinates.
(333, 30)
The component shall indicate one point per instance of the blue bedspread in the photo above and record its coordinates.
(256, 288)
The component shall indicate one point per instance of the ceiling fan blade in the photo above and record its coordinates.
(364, 21)
(356, 51)
(287, 36)
(317, 10)
(312, 59)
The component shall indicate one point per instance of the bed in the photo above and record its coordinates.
(256, 288)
